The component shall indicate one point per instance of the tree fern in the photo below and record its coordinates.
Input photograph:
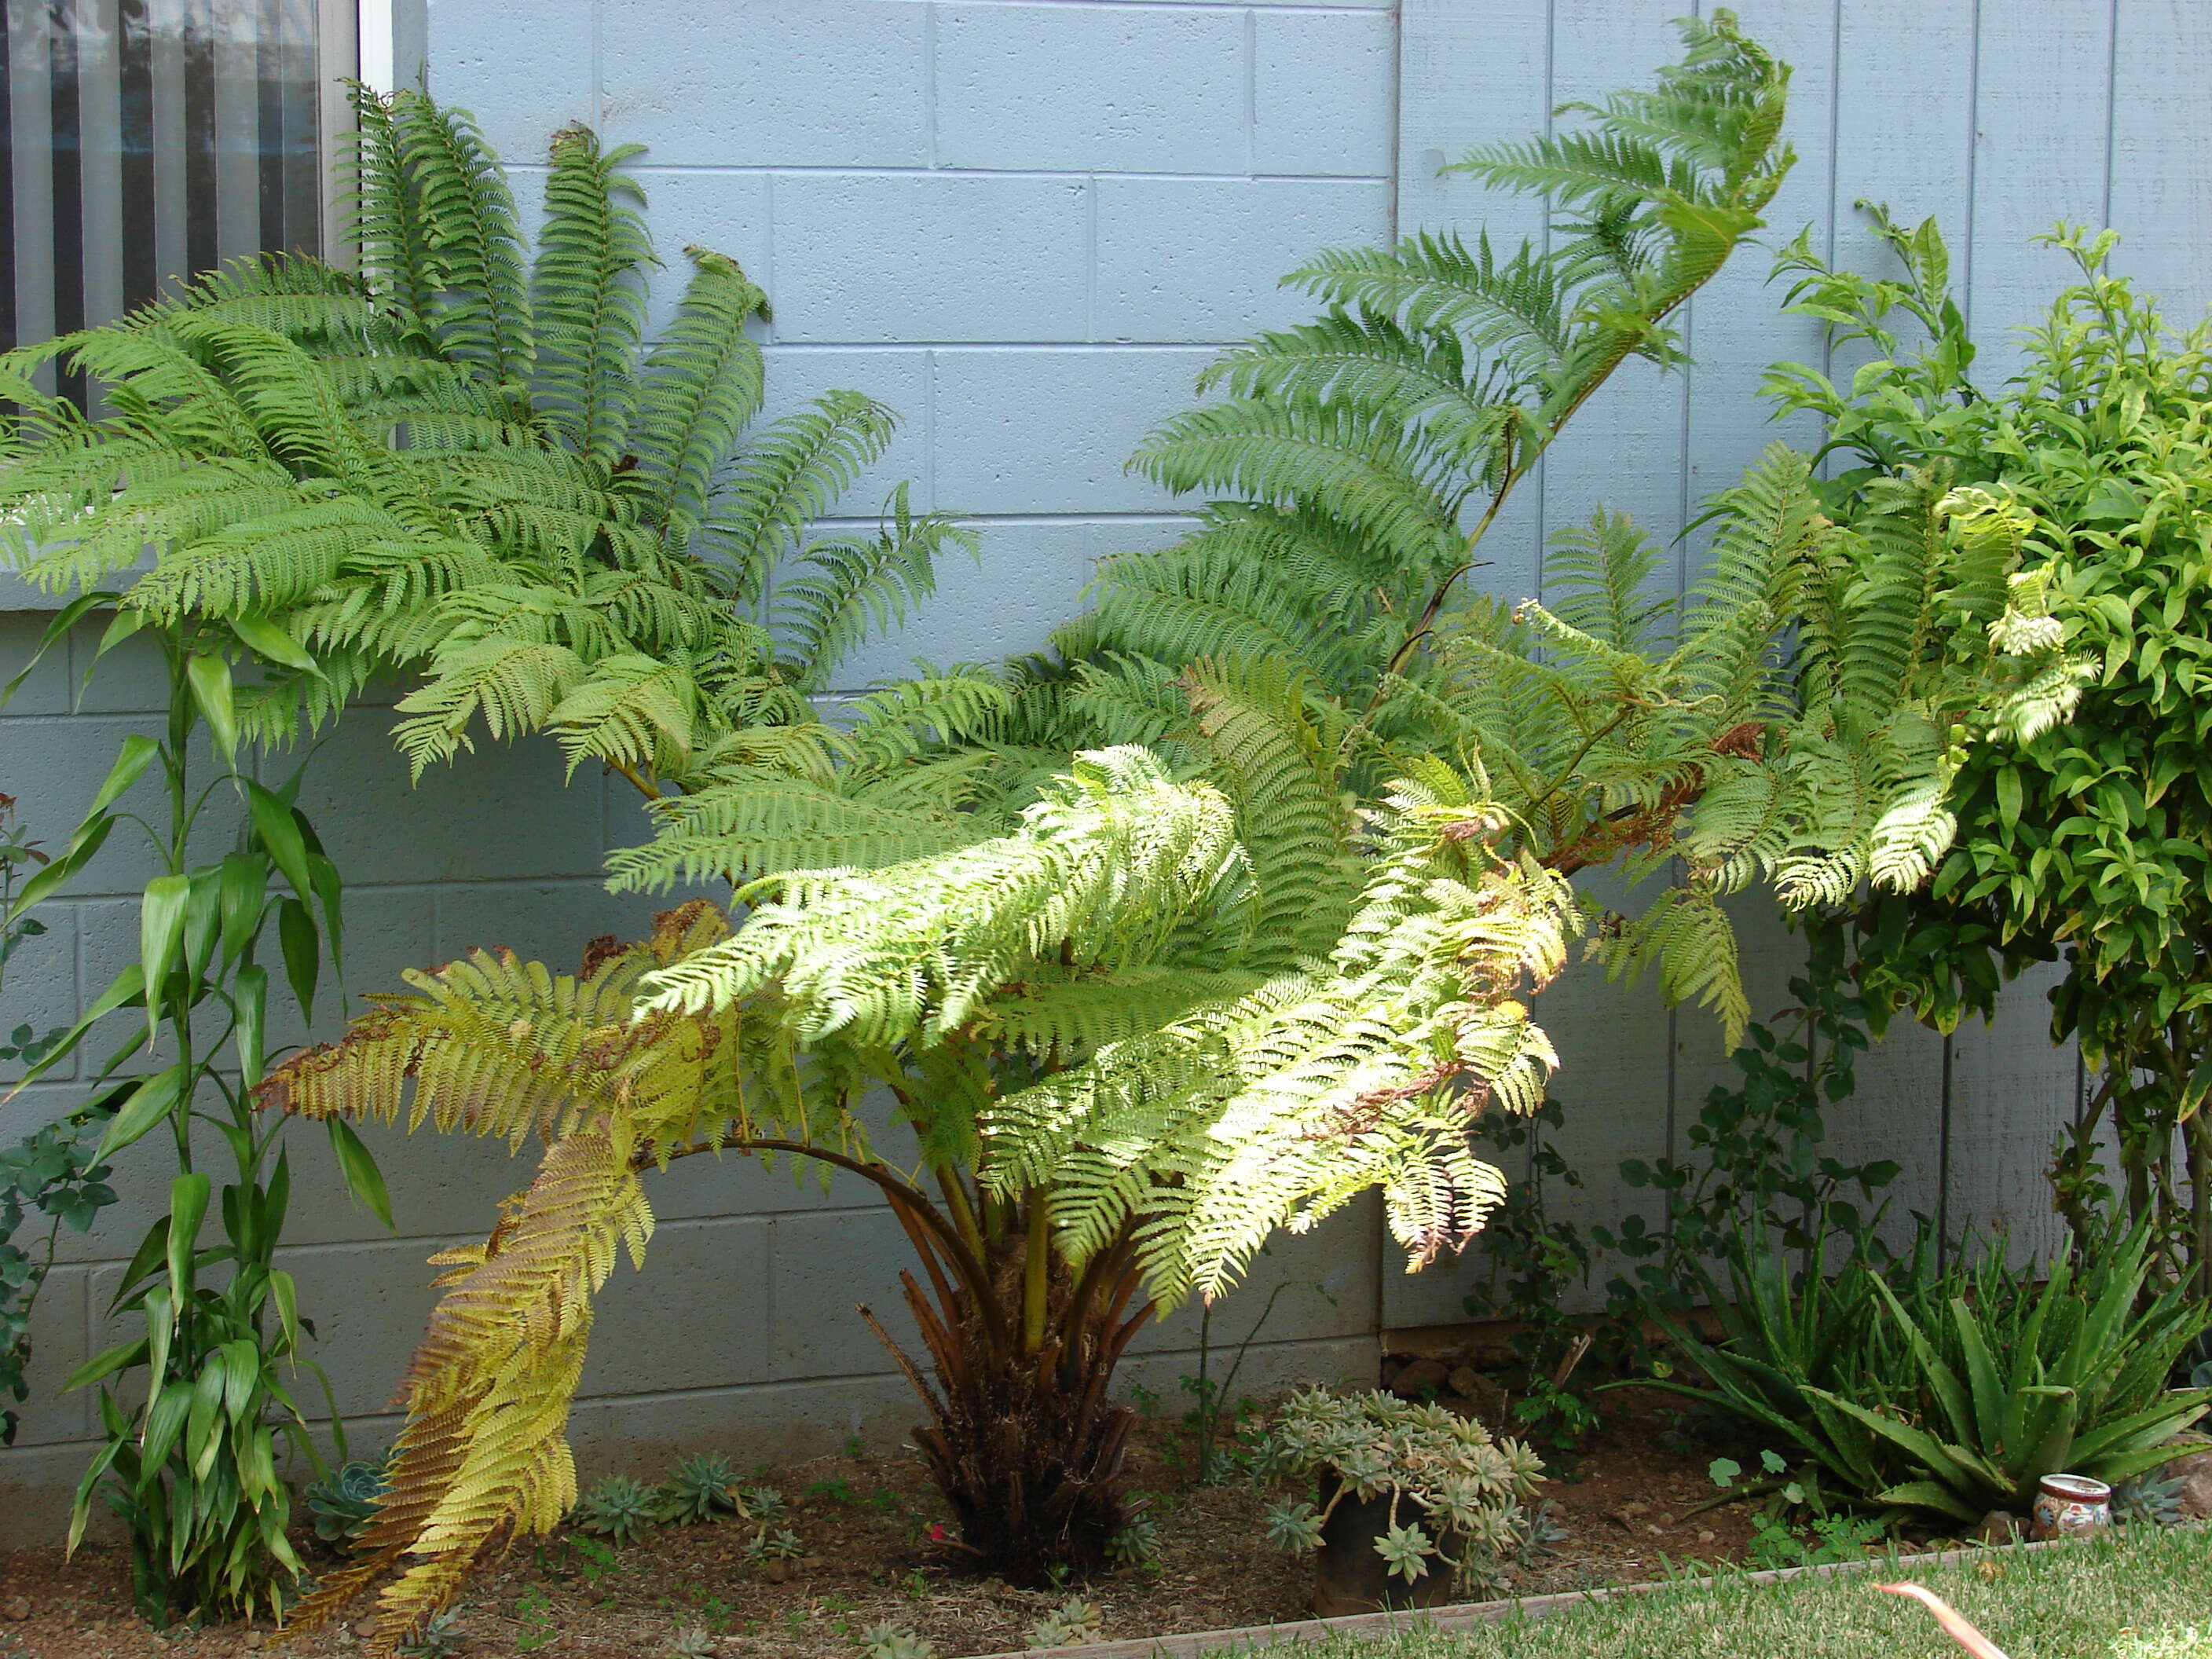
(1275, 937)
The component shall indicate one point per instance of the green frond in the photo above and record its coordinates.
(701, 384)
(589, 304)
(479, 309)
(1103, 868)
(791, 474)
(837, 592)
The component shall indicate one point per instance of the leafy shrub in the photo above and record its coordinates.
(1445, 1476)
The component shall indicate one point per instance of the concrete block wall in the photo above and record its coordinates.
(1026, 225)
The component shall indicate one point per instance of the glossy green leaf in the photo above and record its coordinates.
(358, 1164)
(210, 680)
(303, 952)
(188, 1202)
(249, 994)
(150, 1103)
(161, 929)
(280, 833)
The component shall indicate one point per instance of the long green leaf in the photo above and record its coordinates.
(154, 1098)
(161, 929)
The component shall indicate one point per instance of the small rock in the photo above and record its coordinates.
(16, 1607)
(1655, 1531)
(253, 1638)
(2193, 1471)
(1420, 1377)
(365, 1629)
(778, 1570)
(1706, 1534)
(1999, 1528)
(1465, 1382)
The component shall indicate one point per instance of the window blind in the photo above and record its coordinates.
(142, 140)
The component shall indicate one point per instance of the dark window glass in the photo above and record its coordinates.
(142, 141)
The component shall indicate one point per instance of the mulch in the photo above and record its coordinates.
(867, 1524)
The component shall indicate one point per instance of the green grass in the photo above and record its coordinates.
(2143, 1595)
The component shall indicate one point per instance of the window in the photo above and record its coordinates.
(142, 141)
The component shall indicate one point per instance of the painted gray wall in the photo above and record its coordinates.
(1026, 225)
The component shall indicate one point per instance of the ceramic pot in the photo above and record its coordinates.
(1350, 1577)
(2070, 1506)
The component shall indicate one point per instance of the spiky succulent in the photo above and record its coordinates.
(886, 1640)
(1072, 1624)
(620, 1509)
(703, 1488)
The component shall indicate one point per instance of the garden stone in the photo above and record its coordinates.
(1421, 1374)
(1999, 1528)
(2194, 1472)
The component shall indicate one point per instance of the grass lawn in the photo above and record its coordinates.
(2142, 1595)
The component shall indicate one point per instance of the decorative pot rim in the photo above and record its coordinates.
(2081, 1488)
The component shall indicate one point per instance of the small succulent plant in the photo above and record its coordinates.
(619, 1510)
(1445, 1476)
(761, 1503)
(693, 1642)
(887, 1641)
(441, 1638)
(1072, 1623)
(1137, 1545)
(2148, 1499)
(344, 1504)
(703, 1488)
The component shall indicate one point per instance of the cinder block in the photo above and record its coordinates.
(695, 1316)
(540, 921)
(478, 52)
(444, 1188)
(1049, 431)
(132, 678)
(387, 930)
(1028, 579)
(722, 209)
(501, 812)
(1267, 1369)
(823, 1266)
(1323, 93)
(1302, 1287)
(1199, 259)
(47, 689)
(1090, 88)
(903, 257)
(41, 990)
(56, 765)
(774, 1426)
(767, 82)
(36, 1485)
(60, 1342)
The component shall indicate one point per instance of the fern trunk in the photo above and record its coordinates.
(1020, 1437)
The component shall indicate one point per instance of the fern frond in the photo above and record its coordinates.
(701, 383)
(589, 306)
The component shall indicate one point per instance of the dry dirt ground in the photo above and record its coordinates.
(866, 1525)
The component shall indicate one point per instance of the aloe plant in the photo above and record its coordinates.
(2016, 1383)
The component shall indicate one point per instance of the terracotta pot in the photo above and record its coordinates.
(1350, 1577)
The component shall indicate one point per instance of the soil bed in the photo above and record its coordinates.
(867, 1523)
